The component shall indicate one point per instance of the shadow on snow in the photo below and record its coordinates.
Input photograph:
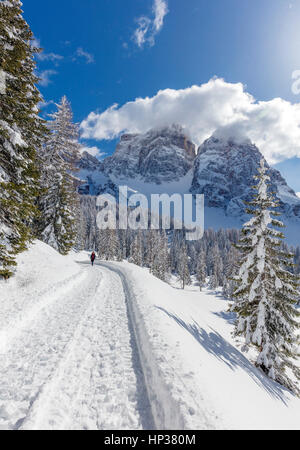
(217, 346)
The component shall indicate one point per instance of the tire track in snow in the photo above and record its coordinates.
(35, 352)
(98, 383)
(165, 410)
(47, 298)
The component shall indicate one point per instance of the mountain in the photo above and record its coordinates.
(159, 156)
(94, 179)
(224, 171)
(164, 160)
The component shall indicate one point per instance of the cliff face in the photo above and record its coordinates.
(159, 156)
(224, 172)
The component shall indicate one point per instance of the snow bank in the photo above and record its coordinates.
(42, 277)
(212, 383)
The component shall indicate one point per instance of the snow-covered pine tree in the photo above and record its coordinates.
(176, 243)
(217, 270)
(267, 292)
(81, 224)
(136, 250)
(160, 263)
(150, 248)
(102, 247)
(123, 243)
(231, 268)
(114, 246)
(201, 269)
(213, 281)
(89, 212)
(183, 266)
(21, 133)
(193, 257)
(109, 245)
(59, 206)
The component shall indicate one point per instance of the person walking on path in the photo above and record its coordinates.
(93, 257)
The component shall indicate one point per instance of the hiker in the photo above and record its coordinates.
(93, 257)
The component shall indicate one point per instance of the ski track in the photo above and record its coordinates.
(73, 364)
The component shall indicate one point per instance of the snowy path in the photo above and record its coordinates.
(73, 362)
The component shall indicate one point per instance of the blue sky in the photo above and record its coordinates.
(95, 52)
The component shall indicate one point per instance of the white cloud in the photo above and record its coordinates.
(160, 9)
(87, 56)
(148, 28)
(94, 151)
(140, 34)
(273, 125)
(49, 57)
(298, 194)
(44, 76)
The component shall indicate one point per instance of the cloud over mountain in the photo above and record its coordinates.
(216, 106)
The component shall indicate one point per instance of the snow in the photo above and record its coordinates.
(112, 347)
(67, 359)
(285, 194)
(138, 185)
(94, 178)
(213, 383)
(14, 135)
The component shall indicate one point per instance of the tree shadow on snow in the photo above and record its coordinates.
(228, 316)
(216, 345)
(218, 294)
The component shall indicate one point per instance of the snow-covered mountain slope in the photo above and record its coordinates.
(224, 171)
(159, 156)
(94, 180)
(111, 347)
(163, 161)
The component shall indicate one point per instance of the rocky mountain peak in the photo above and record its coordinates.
(160, 155)
(89, 162)
(224, 172)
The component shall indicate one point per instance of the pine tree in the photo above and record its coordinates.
(217, 270)
(150, 249)
(81, 229)
(59, 206)
(201, 270)
(176, 243)
(231, 268)
(213, 282)
(136, 250)
(89, 212)
(109, 245)
(21, 133)
(267, 292)
(183, 266)
(114, 250)
(102, 244)
(160, 262)
(123, 244)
